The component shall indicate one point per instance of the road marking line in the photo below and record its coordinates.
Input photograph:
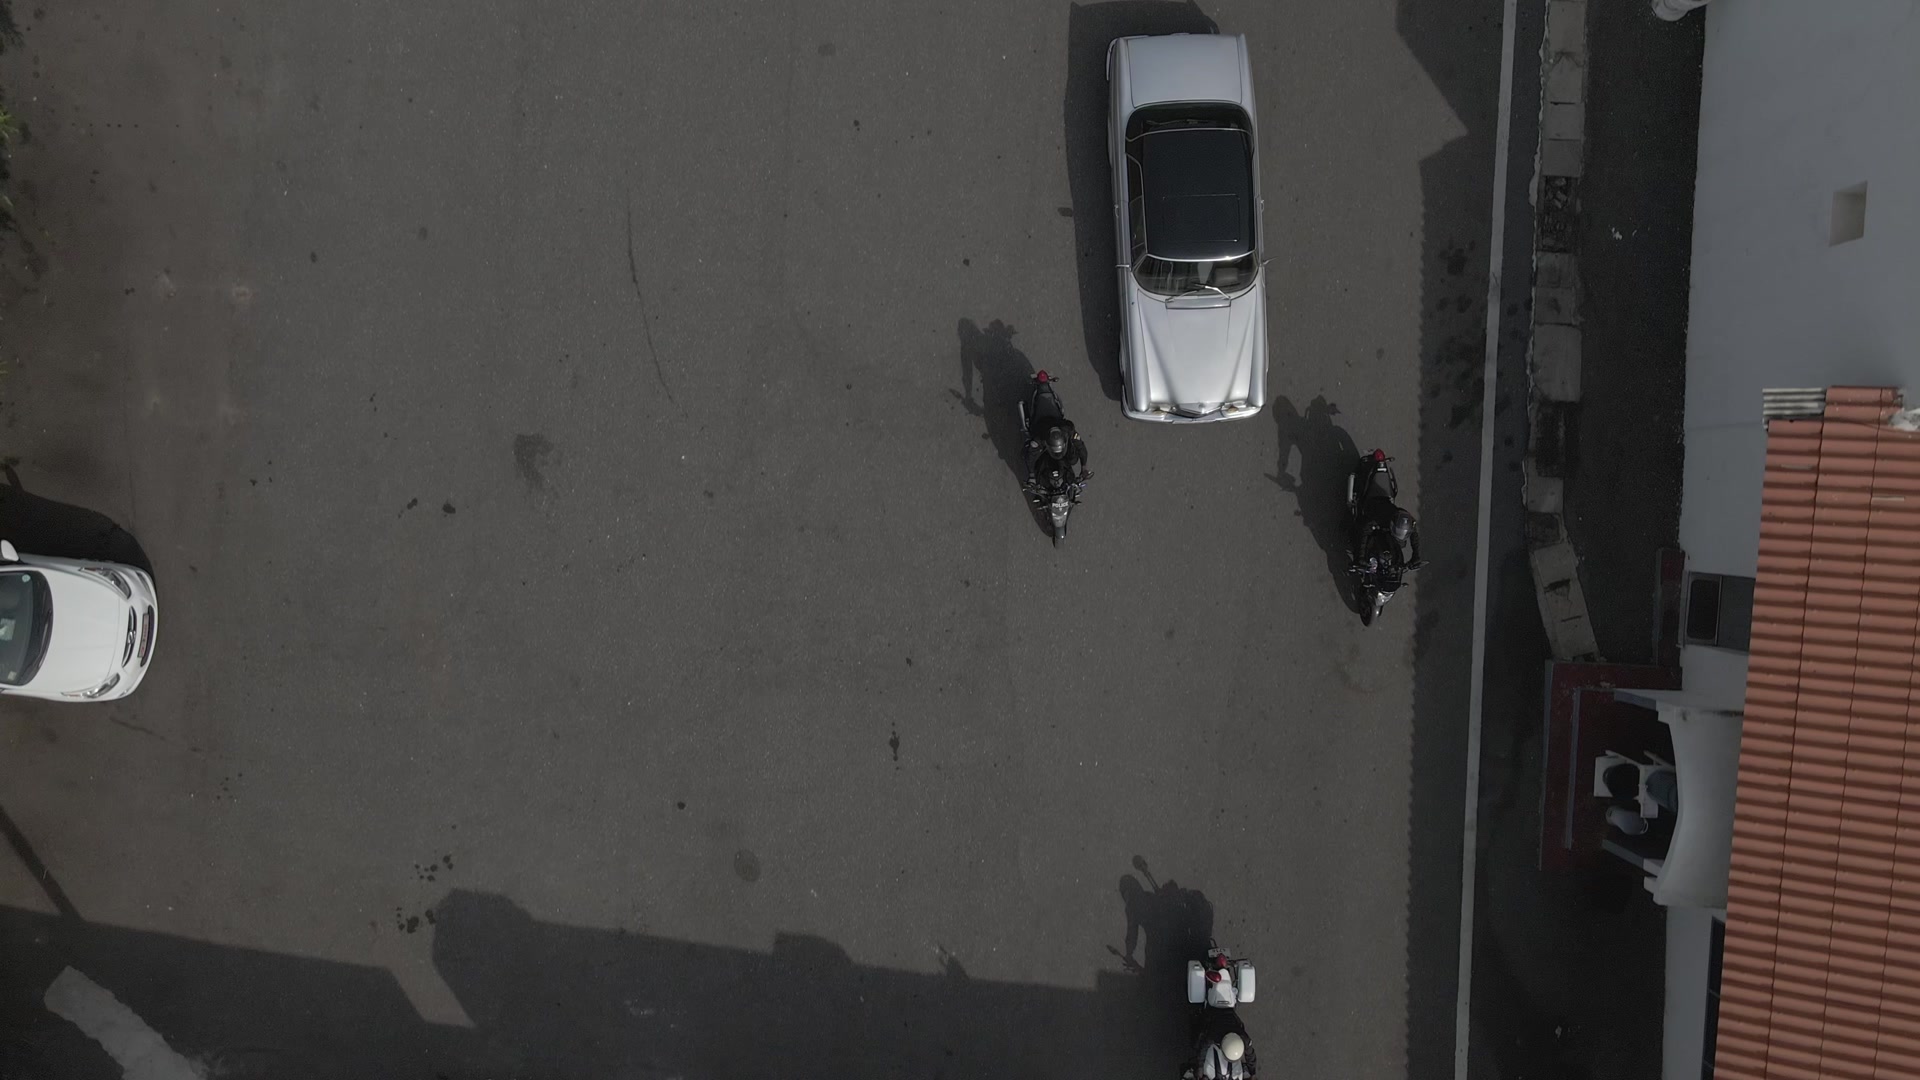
(140, 1051)
(1476, 701)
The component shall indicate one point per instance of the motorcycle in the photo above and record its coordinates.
(1216, 986)
(1220, 982)
(1053, 493)
(1375, 561)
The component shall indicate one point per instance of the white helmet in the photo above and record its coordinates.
(1233, 1046)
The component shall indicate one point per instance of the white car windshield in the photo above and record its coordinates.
(1171, 278)
(26, 620)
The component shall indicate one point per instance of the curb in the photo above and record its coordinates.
(1553, 345)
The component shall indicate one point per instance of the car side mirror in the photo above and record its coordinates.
(7, 553)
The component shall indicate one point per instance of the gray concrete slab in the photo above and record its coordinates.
(1563, 120)
(1556, 306)
(1561, 157)
(574, 449)
(1556, 362)
(1566, 79)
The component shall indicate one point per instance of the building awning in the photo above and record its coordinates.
(1706, 753)
(1821, 970)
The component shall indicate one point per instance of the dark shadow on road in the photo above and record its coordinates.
(29, 858)
(551, 1001)
(995, 377)
(1326, 456)
(1458, 47)
(993, 380)
(1178, 926)
(1177, 923)
(44, 527)
(1090, 29)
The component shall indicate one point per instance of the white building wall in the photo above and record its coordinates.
(1799, 99)
(1689, 973)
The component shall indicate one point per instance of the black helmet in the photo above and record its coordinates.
(1402, 525)
(1057, 443)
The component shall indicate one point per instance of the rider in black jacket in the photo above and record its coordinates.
(1380, 515)
(1056, 439)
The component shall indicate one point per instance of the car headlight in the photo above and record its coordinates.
(114, 578)
(89, 695)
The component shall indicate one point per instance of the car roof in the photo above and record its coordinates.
(1198, 184)
(1184, 67)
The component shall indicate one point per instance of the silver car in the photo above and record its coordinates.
(1186, 214)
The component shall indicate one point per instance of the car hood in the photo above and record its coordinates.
(1199, 358)
(89, 633)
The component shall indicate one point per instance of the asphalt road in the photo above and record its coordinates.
(601, 634)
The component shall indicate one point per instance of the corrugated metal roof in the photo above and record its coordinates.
(1821, 976)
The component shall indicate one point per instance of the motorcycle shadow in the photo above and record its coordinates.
(995, 379)
(1327, 457)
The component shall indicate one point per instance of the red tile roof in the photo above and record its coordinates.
(1821, 971)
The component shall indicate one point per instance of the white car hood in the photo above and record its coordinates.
(1197, 359)
(89, 633)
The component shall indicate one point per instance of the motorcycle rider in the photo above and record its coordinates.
(1379, 514)
(1223, 1051)
(1054, 441)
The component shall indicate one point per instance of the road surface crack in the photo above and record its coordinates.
(646, 324)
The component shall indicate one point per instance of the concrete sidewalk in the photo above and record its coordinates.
(1569, 968)
(1619, 122)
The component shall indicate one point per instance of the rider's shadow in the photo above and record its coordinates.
(1177, 924)
(1327, 457)
(994, 378)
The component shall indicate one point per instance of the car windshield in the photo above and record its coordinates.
(26, 620)
(1174, 278)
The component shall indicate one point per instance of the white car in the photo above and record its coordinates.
(73, 631)
(1186, 214)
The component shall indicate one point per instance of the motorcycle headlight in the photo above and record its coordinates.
(89, 695)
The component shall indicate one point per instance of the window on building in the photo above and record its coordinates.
(1713, 999)
(1719, 610)
(1849, 214)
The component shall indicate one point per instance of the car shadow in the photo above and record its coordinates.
(1090, 29)
(42, 526)
(994, 379)
(1327, 455)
